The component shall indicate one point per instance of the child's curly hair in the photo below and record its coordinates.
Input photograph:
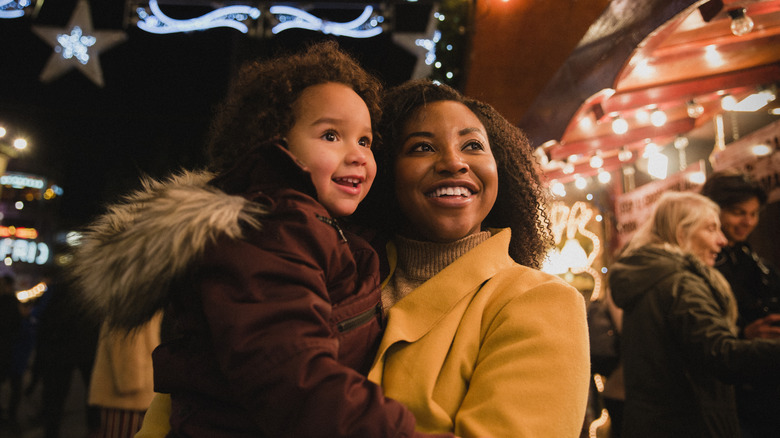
(259, 104)
(521, 198)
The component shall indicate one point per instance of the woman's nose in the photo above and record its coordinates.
(451, 161)
(722, 241)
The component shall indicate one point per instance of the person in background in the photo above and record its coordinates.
(756, 286)
(10, 329)
(479, 342)
(66, 342)
(680, 348)
(122, 384)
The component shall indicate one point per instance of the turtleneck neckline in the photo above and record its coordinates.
(420, 260)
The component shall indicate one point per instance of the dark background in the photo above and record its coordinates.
(152, 115)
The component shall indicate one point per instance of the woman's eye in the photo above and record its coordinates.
(421, 147)
(330, 136)
(473, 146)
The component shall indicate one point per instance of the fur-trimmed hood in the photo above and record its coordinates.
(129, 256)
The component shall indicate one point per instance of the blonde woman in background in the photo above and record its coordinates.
(679, 343)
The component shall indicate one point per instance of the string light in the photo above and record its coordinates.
(619, 125)
(694, 109)
(741, 24)
(658, 118)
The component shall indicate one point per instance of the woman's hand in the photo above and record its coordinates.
(767, 327)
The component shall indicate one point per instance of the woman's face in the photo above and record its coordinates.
(706, 240)
(446, 179)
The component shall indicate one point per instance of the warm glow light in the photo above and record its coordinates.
(625, 155)
(30, 294)
(604, 177)
(741, 24)
(20, 143)
(658, 118)
(568, 168)
(657, 165)
(596, 161)
(728, 102)
(761, 150)
(694, 109)
(2, 132)
(619, 126)
(712, 56)
(697, 177)
(580, 182)
(558, 189)
(754, 102)
(644, 69)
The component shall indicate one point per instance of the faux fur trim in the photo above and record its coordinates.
(129, 256)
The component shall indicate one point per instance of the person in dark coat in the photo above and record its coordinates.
(756, 285)
(679, 344)
(66, 344)
(10, 329)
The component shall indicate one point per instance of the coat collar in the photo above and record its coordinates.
(419, 312)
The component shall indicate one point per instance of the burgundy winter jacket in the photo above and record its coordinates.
(275, 319)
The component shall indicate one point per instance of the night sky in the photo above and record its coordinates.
(153, 112)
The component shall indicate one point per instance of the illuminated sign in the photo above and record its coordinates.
(21, 233)
(573, 257)
(22, 180)
(25, 251)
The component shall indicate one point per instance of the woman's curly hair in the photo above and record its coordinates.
(259, 104)
(521, 198)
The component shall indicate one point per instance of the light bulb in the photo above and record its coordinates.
(658, 118)
(596, 161)
(694, 109)
(619, 126)
(741, 24)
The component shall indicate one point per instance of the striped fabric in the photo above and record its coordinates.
(119, 423)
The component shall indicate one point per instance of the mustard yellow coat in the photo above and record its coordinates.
(489, 348)
(486, 348)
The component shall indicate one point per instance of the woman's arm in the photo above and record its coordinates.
(533, 369)
(709, 340)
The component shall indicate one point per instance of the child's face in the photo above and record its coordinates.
(332, 136)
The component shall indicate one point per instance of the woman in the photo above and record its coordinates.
(478, 342)
(679, 341)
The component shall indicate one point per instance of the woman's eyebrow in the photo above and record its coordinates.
(466, 131)
(425, 134)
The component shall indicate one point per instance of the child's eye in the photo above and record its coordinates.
(330, 136)
(365, 142)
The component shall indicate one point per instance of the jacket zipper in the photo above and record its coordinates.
(358, 320)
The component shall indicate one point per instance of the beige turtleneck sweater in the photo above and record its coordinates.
(419, 261)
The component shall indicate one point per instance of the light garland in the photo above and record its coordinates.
(362, 27)
(13, 9)
(229, 16)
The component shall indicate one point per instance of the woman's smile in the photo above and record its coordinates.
(446, 175)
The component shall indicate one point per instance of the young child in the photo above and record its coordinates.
(274, 308)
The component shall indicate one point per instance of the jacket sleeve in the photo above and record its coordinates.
(533, 369)
(269, 314)
(710, 342)
(130, 356)
(157, 418)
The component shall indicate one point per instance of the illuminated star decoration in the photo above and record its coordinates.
(77, 45)
(423, 45)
